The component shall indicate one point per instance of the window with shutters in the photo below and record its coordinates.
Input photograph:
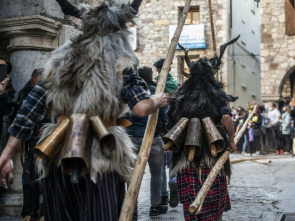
(290, 17)
(193, 17)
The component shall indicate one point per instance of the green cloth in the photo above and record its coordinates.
(171, 84)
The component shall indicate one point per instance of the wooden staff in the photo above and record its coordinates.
(197, 204)
(213, 35)
(256, 160)
(132, 193)
(212, 28)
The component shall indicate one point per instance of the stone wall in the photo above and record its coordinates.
(153, 23)
(277, 50)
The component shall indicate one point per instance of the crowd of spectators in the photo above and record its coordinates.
(271, 128)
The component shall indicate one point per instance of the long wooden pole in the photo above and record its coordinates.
(213, 35)
(133, 190)
(196, 206)
(212, 28)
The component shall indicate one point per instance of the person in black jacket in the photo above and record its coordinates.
(256, 123)
(35, 78)
(136, 131)
(31, 193)
(6, 99)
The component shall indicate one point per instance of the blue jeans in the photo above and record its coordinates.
(167, 160)
(245, 143)
(155, 163)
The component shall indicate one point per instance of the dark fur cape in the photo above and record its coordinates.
(201, 96)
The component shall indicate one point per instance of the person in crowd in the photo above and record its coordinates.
(246, 144)
(280, 137)
(239, 122)
(31, 193)
(250, 147)
(286, 130)
(234, 114)
(292, 122)
(256, 123)
(172, 196)
(286, 102)
(271, 130)
(265, 123)
(240, 108)
(235, 118)
(6, 100)
(171, 84)
(136, 132)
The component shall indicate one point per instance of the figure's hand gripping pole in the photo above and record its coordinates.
(132, 194)
(196, 206)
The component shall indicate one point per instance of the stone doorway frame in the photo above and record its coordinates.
(287, 77)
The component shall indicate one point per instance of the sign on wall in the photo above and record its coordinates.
(192, 36)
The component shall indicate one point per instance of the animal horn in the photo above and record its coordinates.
(223, 47)
(136, 4)
(68, 8)
(187, 75)
(187, 60)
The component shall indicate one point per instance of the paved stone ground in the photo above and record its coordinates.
(257, 192)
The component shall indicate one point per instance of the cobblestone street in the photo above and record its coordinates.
(257, 191)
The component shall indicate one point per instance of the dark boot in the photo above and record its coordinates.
(155, 211)
(165, 200)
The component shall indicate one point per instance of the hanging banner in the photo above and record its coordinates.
(192, 36)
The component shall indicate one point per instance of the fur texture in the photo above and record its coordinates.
(200, 96)
(86, 76)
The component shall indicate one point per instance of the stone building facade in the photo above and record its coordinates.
(153, 23)
(277, 49)
(156, 17)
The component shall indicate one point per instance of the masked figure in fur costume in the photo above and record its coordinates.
(202, 131)
(86, 86)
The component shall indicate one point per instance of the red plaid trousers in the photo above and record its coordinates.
(216, 202)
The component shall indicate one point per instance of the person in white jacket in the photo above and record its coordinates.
(271, 131)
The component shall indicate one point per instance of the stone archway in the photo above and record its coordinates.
(286, 87)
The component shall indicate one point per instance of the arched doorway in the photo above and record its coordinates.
(287, 84)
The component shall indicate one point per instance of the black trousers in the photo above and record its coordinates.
(272, 134)
(256, 143)
(31, 191)
(285, 143)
